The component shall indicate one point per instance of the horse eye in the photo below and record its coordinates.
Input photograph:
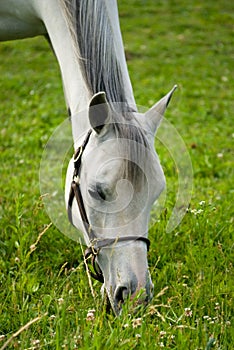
(97, 193)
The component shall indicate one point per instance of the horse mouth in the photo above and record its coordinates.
(133, 302)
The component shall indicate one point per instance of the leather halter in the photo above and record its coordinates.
(95, 243)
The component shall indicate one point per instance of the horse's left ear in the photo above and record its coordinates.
(155, 114)
(99, 112)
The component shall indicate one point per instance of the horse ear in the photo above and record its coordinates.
(99, 112)
(155, 114)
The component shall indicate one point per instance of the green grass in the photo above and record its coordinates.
(166, 42)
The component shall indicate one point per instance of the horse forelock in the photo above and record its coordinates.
(134, 146)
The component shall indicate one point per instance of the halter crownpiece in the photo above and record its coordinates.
(95, 244)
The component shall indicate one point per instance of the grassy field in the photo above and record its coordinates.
(45, 298)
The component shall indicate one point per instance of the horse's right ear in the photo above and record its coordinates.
(99, 112)
(155, 114)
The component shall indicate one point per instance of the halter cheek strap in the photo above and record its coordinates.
(75, 191)
(95, 243)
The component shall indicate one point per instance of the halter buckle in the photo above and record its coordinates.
(94, 249)
(76, 179)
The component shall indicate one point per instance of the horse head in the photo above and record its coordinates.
(117, 180)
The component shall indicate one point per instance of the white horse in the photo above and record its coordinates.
(116, 174)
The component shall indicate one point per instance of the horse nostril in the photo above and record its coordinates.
(121, 294)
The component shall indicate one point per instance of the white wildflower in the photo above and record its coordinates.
(206, 317)
(90, 315)
(188, 312)
(162, 333)
(136, 322)
(196, 211)
(35, 343)
(220, 155)
(60, 301)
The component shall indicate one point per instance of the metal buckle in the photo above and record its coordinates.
(95, 251)
(76, 179)
(93, 244)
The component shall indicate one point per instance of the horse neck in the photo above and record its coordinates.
(75, 89)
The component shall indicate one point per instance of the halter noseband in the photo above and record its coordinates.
(95, 243)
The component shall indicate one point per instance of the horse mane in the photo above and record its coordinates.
(97, 53)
